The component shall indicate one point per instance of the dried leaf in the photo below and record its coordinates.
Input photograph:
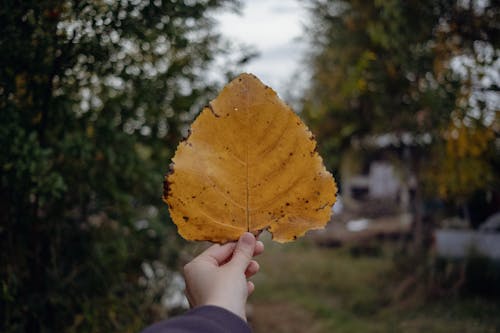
(248, 164)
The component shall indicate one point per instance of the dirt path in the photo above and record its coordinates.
(280, 317)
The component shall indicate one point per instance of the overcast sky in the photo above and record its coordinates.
(273, 28)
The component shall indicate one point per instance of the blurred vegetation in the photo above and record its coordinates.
(94, 96)
(425, 75)
(330, 290)
(424, 72)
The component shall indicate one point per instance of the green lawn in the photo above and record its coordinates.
(303, 288)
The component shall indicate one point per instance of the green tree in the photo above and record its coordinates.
(387, 67)
(94, 96)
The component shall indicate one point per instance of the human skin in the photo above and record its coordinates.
(219, 275)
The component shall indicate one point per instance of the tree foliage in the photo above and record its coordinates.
(93, 95)
(468, 163)
(414, 68)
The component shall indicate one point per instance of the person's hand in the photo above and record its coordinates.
(219, 275)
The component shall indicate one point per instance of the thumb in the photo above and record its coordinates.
(244, 251)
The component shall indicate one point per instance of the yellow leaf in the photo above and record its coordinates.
(248, 164)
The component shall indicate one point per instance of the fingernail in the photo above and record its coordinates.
(247, 238)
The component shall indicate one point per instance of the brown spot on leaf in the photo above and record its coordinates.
(211, 108)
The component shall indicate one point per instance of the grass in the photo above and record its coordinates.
(303, 288)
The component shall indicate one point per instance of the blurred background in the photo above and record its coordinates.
(403, 97)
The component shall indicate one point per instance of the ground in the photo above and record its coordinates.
(306, 288)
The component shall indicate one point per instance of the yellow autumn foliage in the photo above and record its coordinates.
(462, 166)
